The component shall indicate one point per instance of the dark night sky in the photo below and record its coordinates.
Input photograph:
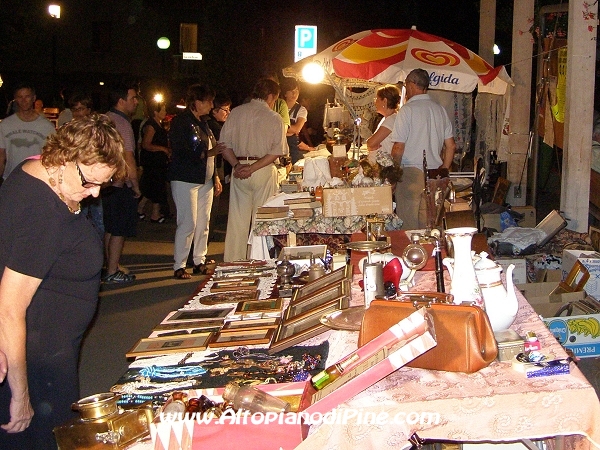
(236, 37)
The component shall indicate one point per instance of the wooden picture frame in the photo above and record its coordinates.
(257, 336)
(195, 315)
(188, 325)
(170, 344)
(301, 310)
(320, 297)
(293, 332)
(235, 285)
(343, 273)
(594, 234)
(250, 324)
(219, 298)
(269, 305)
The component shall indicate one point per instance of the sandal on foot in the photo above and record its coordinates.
(182, 274)
(200, 269)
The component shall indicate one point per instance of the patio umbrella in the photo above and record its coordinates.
(388, 56)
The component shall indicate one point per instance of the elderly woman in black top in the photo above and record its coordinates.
(50, 262)
(194, 180)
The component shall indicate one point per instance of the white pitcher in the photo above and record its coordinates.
(501, 305)
(464, 286)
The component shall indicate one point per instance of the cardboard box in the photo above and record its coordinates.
(520, 270)
(360, 201)
(529, 221)
(579, 333)
(591, 261)
(391, 350)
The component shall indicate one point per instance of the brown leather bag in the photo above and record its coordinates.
(465, 340)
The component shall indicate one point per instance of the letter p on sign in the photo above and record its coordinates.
(305, 41)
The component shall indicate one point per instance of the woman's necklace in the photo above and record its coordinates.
(56, 188)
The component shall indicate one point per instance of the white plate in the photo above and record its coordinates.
(348, 319)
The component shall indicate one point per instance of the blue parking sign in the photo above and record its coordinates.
(305, 41)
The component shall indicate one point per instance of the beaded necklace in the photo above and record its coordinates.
(56, 188)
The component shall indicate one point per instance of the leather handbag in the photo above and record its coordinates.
(465, 339)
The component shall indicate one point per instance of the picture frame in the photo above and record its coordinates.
(235, 285)
(219, 298)
(300, 310)
(188, 315)
(170, 344)
(269, 305)
(293, 332)
(594, 234)
(235, 338)
(320, 297)
(335, 276)
(188, 325)
(250, 324)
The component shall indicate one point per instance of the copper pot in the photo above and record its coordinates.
(97, 406)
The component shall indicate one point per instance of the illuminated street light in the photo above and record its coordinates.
(163, 43)
(54, 11)
(313, 73)
(158, 98)
(496, 49)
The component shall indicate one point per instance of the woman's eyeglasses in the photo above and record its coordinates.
(85, 183)
(225, 109)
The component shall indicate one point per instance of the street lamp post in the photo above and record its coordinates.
(163, 44)
(54, 11)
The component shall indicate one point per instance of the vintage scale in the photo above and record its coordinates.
(103, 425)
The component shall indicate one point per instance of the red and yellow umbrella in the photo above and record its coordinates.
(388, 56)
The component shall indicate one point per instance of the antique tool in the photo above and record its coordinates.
(439, 267)
(372, 272)
(415, 257)
(103, 425)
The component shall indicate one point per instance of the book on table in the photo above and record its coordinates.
(312, 204)
(272, 209)
(272, 215)
(292, 201)
(302, 213)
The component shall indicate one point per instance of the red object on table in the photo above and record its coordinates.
(399, 242)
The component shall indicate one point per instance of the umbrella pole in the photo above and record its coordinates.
(357, 120)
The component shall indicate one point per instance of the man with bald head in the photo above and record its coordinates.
(421, 125)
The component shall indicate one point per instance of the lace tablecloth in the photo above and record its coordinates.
(320, 224)
(495, 404)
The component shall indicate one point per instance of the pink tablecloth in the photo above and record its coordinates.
(494, 404)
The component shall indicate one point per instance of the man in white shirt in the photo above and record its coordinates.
(24, 133)
(421, 125)
(254, 135)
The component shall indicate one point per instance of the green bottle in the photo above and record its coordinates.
(332, 373)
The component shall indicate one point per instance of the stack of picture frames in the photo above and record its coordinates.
(185, 330)
(302, 318)
(253, 322)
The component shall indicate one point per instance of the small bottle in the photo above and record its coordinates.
(253, 399)
(332, 373)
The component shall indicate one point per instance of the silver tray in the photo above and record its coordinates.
(349, 319)
(367, 246)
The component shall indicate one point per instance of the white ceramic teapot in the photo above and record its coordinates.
(501, 303)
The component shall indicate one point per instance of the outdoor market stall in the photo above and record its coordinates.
(497, 403)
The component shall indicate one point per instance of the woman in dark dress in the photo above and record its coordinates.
(50, 261)
(154, 158)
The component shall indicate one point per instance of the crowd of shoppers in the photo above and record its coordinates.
(48, 292)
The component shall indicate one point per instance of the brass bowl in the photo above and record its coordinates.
(97, 406)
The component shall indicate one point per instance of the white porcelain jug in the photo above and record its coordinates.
(464, 286)
(501, 303)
